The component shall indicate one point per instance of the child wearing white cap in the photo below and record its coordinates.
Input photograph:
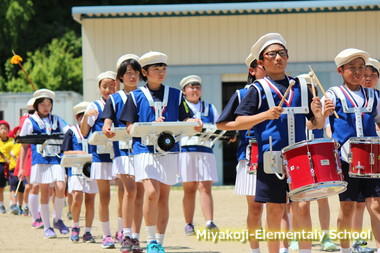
(358, 109)
(245, 184)
(75, 143)
(197, 165)
(101, 167)
(259, 109)
(128, 72)
(371, 75)
(155, 102)
(46, 167)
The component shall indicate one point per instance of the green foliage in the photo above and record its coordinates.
(57, 66)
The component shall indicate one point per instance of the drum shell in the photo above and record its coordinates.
(253, 157)
(364, 157)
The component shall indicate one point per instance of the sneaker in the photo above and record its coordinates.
(2, 209)
(293, 245)
(328, 245)
(38, 223)
(49, 233)
(75, 234)
(119, 236)
(154, 247)
(69, 216)
(189, 229)
(26, 211)
(88, 238)
(13, 209)
(212, 227)
(61, 227)
(136, 246)
(126, 245)
(360, 246)
(108, 243)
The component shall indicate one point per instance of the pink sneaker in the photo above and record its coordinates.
(119, 237)
(38, 223)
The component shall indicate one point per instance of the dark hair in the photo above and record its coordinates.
(39, 101)
(252, 78)
(146, 67)
(123, 68)
(31, 111)
(261, 56)
(373, 69)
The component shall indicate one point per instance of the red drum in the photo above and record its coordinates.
(364, 157)
(253, 156)
(313, 169)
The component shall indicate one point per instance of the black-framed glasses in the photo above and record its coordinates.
(272, 54)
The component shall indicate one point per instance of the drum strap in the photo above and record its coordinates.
(343, 94)
(290, 111)
(158, 107)
(52, 125)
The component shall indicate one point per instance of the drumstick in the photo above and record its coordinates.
(291, 83)
(18, 186)
(314, 76)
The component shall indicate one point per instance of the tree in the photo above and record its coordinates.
(57, 66)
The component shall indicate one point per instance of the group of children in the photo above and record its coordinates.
(263, 113)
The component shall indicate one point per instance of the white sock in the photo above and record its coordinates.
(45, 215)
(34, 206)
(59, 204)
(106, 228)
(87, 229)
(75, 224)
(151, 230)
(127, 232)
(378, 250)
(160, 238)
(257, 250)
(345, 250)
(305, 251)
(282, 250)
(119, 224)
(136, 236)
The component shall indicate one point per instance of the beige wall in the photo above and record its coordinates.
(224, 39)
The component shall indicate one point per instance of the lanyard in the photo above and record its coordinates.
(158, 106)
(288, 101)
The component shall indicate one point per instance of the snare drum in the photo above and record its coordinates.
(364, 157)
(313, 169)
(252, 156)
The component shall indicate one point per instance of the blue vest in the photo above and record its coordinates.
(207, 116)
(118, 100)
(244, 135)
(145, 113)
(345, 127)
(37, 157)
(278, 128)
(92, 149)
(77, 143)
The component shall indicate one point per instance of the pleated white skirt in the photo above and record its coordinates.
(245, 183)
(197, 167)
(47, 174)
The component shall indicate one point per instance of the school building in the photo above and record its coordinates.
(213, 40)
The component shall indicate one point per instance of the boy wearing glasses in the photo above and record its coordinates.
(358, 112)
(260, 110)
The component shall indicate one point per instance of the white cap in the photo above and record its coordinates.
(374, 63)
(265, 41)
(350, 54)
(105, 75)
(124, 58)
(153, 58)
(250, 58)
(80, 108)
(43, 93)
(190, 79)
(29, 104)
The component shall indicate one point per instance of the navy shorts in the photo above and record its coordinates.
(13, 182)
(3, 179)
(270, 189)
(358, 189)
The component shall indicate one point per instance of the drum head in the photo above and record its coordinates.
(87, 169)
(318, 191)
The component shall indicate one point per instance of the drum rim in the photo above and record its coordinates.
(368, 175)
(342, 184)
(307, 142)
(365, 140)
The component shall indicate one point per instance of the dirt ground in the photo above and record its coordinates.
(16, 234)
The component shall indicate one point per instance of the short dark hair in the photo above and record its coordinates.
(373, 69)
(252, 78)
(39, 101)
(123, 68)
(146, 67)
